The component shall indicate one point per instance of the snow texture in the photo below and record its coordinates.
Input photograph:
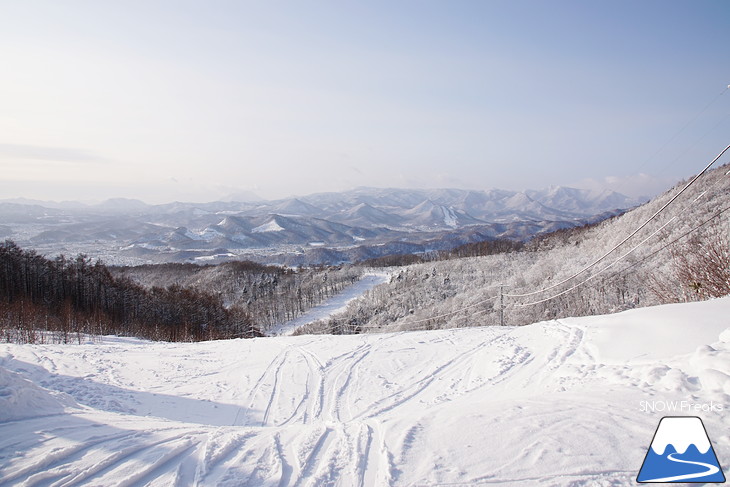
(555, 403)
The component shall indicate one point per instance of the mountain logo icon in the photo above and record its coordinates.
(681, 452)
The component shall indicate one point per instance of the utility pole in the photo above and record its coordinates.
(501, 305)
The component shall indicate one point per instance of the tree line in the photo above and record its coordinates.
(473, 249)
(269, 294)
(70, 298)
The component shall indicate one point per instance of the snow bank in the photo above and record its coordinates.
(21, 398)
(656, 332)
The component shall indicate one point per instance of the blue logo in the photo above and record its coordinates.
(681, 452)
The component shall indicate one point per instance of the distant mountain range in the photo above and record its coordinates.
(324, 227)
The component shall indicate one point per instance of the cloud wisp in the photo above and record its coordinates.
(44, 153)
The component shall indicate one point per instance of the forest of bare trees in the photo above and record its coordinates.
(267, 294)
(66, 299)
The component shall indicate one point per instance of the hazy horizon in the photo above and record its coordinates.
(252, 197)
(187, 101)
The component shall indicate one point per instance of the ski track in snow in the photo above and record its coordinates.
(555, 403)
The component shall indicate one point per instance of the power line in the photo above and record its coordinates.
(622, 257)
(492, 298)
(600, 259)
(695, 143)
(599, 272)
(522, 305)
(716, 215)
(676, 134)
(684, 127)
(633, 249)
(452, 313)
(471, 315)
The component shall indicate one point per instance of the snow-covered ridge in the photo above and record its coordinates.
(272, 226)
(133, 230)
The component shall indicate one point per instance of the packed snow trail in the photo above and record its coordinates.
(332, 306)
(556, 403)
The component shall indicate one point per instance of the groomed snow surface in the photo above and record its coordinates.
(559, 403)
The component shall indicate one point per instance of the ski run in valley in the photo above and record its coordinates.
(568, 402)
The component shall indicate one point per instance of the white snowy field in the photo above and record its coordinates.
(559, 403)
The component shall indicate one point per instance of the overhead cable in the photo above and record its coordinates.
(451, 313)
(684, 127)
(593, 276)
(600, 259)
(716, 215)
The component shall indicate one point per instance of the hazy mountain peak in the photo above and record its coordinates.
(122, 204)
(243, 197)
(296, 206)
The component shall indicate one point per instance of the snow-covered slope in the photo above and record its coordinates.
(559, 403)
(617, 264)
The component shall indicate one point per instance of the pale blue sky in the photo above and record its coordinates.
(182, 100)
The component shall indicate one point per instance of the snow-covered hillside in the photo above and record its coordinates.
(562, 403)
(564, 274)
